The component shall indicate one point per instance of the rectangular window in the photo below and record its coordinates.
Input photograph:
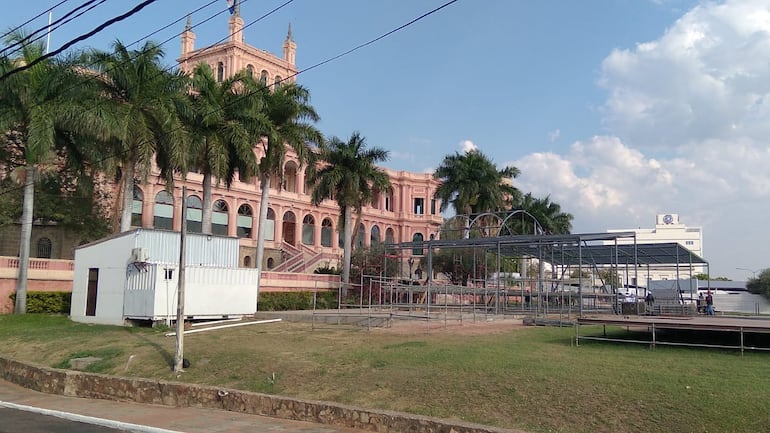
(433, 207)
(419, 206)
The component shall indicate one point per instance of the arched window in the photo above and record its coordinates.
(220, 71)
(247, 262)
(374, 238)
(289, 226)
(270, 225)
(250, 70)
(270, 262)
(277, 81)
(417, 251)
(245, 221)
(194, 214)
(390, 239)
(360, 237)
(263, 77)
(136, 207)
(308, 230)
(390, 236)
(163, 211)
(290, 177)
(44, 248)
(219, 218)
(326, 232)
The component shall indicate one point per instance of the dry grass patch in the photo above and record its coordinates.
(496, 373)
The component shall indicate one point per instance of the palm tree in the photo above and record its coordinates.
(46, 106)
(288, 112)
(349, 176)
(472, 184)
(142, 100)
(549, 214)
(220, 122)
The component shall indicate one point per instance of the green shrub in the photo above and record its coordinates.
(47, 302)
(284, 301)
(328, 270)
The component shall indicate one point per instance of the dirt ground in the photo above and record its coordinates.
(465, 327)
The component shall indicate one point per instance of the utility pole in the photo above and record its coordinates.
(179, 355)
(48, 36)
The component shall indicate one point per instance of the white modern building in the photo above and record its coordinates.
(135, 275)
(668, 229)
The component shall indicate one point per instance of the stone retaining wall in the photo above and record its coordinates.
(148, 391)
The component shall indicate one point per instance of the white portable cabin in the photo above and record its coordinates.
(135, 275)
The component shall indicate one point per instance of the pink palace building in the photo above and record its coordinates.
(300, 236)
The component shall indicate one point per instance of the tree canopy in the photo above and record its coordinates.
(472, 184)
(761, 284)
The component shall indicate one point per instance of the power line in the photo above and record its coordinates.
(27, 39)
(33, 18)
(323, 62)
(287, 2)
(80, 38)
(384, 35)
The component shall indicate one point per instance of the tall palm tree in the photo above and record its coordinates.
(144, 101)
(348, 174)
(46, 105)
(220, 122)
(472, 184)
(289, 113)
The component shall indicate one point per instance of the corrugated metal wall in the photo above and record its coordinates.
(139, 296)
(201, 250)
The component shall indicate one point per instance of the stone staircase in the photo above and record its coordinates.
(301, 259)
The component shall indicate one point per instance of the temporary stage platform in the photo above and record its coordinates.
(743, 326)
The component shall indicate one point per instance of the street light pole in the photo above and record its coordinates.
(753, 272)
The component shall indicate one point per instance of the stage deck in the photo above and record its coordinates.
(738, 324)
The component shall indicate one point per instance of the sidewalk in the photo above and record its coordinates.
(187, 420)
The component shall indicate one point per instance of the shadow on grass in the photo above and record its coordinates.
(167, 356)
(683, 337)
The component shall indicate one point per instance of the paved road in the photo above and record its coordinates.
(142, 417)
(15, 421)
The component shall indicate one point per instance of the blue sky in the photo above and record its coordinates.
(618, 110)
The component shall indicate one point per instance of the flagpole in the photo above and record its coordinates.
(48, 37)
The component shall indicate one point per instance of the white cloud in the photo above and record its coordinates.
(688, 117)
(554, 135)
(467, 146)
(403, 156)
(607, 184)
(705, 78)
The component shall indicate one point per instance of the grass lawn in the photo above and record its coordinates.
(530, 378)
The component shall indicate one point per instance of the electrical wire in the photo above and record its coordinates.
(384, 35)
(170, 67)
(28, 39)
(316, 65)
(33, 19)
(80, 38)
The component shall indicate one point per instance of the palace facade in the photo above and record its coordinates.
(300, 236)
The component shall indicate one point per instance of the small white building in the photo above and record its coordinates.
(134, 276)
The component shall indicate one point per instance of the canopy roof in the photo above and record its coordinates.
(619, 248)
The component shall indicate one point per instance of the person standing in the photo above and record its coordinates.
(649, 300)
(709, 304)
